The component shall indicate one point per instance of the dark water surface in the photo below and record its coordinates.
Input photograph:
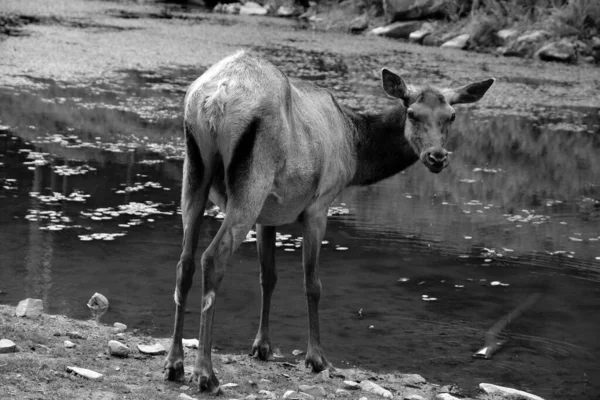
(89, 194)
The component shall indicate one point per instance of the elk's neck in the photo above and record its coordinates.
(381, 148)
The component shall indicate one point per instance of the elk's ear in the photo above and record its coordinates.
(469, 93)
(393, 85)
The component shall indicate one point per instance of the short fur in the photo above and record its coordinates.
(270, 150)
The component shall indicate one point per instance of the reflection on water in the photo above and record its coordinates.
(89, 198)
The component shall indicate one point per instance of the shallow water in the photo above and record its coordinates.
(89, 193)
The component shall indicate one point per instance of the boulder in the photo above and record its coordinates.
(459, 42)
(445, 396)
(154, 350)
(505, 35)
(419, 35)
(252, 8)
(372, 387)
(118, 349)
(397, 30)
(86, 373)
(403, 10)
(287, 11)
(562, 51)
(507, 392)
(7, 346)
(30, 308)
(98, 303)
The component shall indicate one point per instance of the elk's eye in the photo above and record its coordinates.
(411, 113)
(452, 117)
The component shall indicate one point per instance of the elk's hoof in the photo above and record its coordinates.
(316, 359)
(207, 381)
(261, 349)
(174, 370)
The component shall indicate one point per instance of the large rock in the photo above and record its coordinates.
(563, 51)
(30, 308)
(252, 8)
(372, 387)
(419, 35)
(403, 10)
(7, 346)
(397, 30)
(154, 350)
(507, 392)
(118, 349)
(86, 373)
(98, 303)
(459, 42)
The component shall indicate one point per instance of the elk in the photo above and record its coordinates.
(271, 150)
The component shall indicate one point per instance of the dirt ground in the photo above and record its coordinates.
(38, 370)
(82, 41)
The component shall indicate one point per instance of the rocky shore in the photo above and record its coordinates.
(54, 357)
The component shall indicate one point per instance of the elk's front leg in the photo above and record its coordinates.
(314, 222)
(261, 348)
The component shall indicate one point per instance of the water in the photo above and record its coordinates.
(89, 193)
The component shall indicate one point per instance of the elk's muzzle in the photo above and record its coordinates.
(435, 159)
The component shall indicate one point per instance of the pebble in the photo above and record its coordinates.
(315, 391)
(227, 360)
(155, 349)
(351, 385)
(119, 327)
(30, 308)
(297, 352)
(69, 344)
(118, 349)
(86, 373)
(184, 387)
(7, 346)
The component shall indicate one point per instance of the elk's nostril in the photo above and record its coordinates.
(437, 156)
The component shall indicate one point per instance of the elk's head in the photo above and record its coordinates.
(429, 114)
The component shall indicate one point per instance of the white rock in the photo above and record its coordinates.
(534, 36)
(372, 387)
(459, 42)
(351, 385)
(69, 344)
(191, 343)
(119, 327)
(267, 394)
(445, 396)
(7, 346)
(297, 352)
(228, 385)
(184, 396)
(342, 392)
(97, 302)
(506, 34)
(397, 30)
(288, 394)
(507, 392)
(414, 397)
(155, 349)
(86, 373)
(30, 308)
(315, 391)
(252, 8)
(118, 349)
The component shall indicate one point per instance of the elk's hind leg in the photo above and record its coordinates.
(197, 178)
(261, 348)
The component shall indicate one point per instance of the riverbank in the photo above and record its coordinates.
(49, 346)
